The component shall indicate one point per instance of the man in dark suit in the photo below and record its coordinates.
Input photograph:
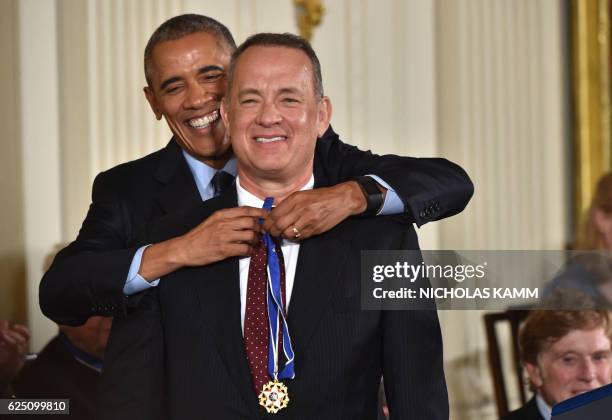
(210, 346)
(186, 62)
(68, 367)
(565, 353)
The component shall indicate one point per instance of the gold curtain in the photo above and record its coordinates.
(591, 83)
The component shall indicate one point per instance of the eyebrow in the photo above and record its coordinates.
(201, 70)
(249, 91)
(289, 90)
(253, 91)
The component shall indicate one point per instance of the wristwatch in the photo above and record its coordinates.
(372, 194)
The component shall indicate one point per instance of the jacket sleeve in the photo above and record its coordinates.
(430, 188)
(87, 277)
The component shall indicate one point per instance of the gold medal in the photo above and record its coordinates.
(274, 396)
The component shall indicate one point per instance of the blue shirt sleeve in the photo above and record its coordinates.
(135, 282)
(393, 204)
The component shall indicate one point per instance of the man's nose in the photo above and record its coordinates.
(588, 371)
(268, 114)
(197, 96)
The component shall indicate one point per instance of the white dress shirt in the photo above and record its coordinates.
(290, 251)
(545, 409)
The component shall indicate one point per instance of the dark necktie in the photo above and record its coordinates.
(256, 328)
(220, 181)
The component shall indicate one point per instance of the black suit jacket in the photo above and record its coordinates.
(195, 354)
(529, 411)
(87, 277)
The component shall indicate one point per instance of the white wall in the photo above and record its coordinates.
(40, 144)
(12, 247)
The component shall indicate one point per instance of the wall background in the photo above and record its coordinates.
(480, 82)
(12, 256)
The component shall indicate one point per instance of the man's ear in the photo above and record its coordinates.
(150, 95)
(534, 374)
(324, 115)
(602, 220)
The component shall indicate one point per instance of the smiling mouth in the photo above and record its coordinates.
(205, 121)
(270, 139)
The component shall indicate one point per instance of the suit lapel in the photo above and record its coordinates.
(178, 189)
(320, 261)
(318, 269)
(219, 298)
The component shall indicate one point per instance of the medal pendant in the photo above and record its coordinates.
(274, 396)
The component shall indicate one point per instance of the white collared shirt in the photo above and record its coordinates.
(544, 408)
(290, 250)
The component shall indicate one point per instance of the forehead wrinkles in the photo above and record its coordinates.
(256, 74)
(184, 53)
(581, 342)
(195, 57)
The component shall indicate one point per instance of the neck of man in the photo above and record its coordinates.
(278, 187)
(543, 406)
(216, 162)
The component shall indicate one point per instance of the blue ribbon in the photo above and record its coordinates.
(276, 312)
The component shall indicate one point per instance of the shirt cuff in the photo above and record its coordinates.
(392, 204)
(135, 282)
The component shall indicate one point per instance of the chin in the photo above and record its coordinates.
(270, 171)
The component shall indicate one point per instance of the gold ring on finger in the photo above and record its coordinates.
(296, 232)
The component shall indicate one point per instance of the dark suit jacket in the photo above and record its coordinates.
(527, 412)
(57, 374)
(340, 350)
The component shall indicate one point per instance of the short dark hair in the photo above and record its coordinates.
(183, 25)
(287, 40)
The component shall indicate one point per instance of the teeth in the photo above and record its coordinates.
(268, 140)
(204, 121)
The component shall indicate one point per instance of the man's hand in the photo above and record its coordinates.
(309, 213)
(13, 346)
(227, 233)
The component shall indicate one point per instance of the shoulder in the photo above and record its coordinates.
(529, 411)
(142, 167)
(138, 179)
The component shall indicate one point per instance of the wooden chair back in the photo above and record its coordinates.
(491, 320)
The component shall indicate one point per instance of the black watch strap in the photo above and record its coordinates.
(372, 194)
